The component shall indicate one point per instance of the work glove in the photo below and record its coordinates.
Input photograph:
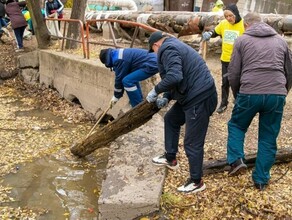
(113, 101)
(152, 96)
(161, 102)
(207, 35)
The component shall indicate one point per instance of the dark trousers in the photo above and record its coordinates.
(18, 32)
(225, 84)
(196, 120)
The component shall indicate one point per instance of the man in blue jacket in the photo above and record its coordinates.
(185, 78)
(131, 65)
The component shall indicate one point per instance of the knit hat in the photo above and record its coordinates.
(233, 8)
(105, 57)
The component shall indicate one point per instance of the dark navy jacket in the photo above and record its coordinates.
(128, 60)
(185, 75)
(56, 5)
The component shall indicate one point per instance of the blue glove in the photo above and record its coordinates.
(161, 102)
(207, 35)
(152, 96)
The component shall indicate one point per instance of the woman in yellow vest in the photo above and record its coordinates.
(229, 29)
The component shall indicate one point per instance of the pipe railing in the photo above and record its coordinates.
(81, 25)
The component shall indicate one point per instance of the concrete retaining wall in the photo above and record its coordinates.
(76, 78)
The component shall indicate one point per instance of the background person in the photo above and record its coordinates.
(218, 7)
(260, 75)
(185, 78)
(131, 65)
(3, 23)
(53, 7)
(18, 23)
(229, 29)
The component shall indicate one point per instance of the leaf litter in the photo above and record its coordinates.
(225, 197)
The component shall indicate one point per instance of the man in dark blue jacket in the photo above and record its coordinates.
(185, 78)
(131, 65)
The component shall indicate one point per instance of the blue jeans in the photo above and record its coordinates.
(196, 120)
(18, 32)
(270, 110)
(132, 86)
(2, 24)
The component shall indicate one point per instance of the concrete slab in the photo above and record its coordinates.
(133, 185)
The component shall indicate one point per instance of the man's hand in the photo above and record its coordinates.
(161, 102)
(207, 35)
(113, 101)
(152, 96)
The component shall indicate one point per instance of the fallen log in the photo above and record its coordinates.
(221, 165)
(123, 124)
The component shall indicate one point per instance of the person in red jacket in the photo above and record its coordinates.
(18, 22)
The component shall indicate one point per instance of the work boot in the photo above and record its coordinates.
(237, 167)
(221, 109)
(260, 186)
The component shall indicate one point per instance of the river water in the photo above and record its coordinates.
(37, 168)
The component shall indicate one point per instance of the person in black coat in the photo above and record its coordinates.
(185, 78)
(3, 23)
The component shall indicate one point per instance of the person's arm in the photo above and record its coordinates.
(121, 70)
(61, 7)
(46, 11)
(234, 70)
(288, 69)
(172, 62)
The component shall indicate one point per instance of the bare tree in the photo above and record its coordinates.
(40, 28)
(78, 12)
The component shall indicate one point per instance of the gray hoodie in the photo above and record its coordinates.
(261, 62)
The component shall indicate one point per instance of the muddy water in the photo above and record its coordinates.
(56, 185)
(44, 175)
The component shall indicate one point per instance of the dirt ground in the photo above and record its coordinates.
(225, 197)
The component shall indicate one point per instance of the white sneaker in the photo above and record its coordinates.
(191, 187)
(162, 161)
(19, 50)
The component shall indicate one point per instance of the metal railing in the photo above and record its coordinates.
(63, 37)
(109, 22)
(86, 45)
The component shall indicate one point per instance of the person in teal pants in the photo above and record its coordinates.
(260, 75)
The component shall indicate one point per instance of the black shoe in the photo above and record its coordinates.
(260, 186)
(221, 109)
(237, 167)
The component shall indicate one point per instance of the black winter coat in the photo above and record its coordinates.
(185, 75)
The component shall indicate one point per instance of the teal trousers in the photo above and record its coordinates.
(270, 111)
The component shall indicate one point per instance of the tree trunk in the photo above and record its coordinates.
(220, 165)
(122, 125)
(39, 25)
(78, 12)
